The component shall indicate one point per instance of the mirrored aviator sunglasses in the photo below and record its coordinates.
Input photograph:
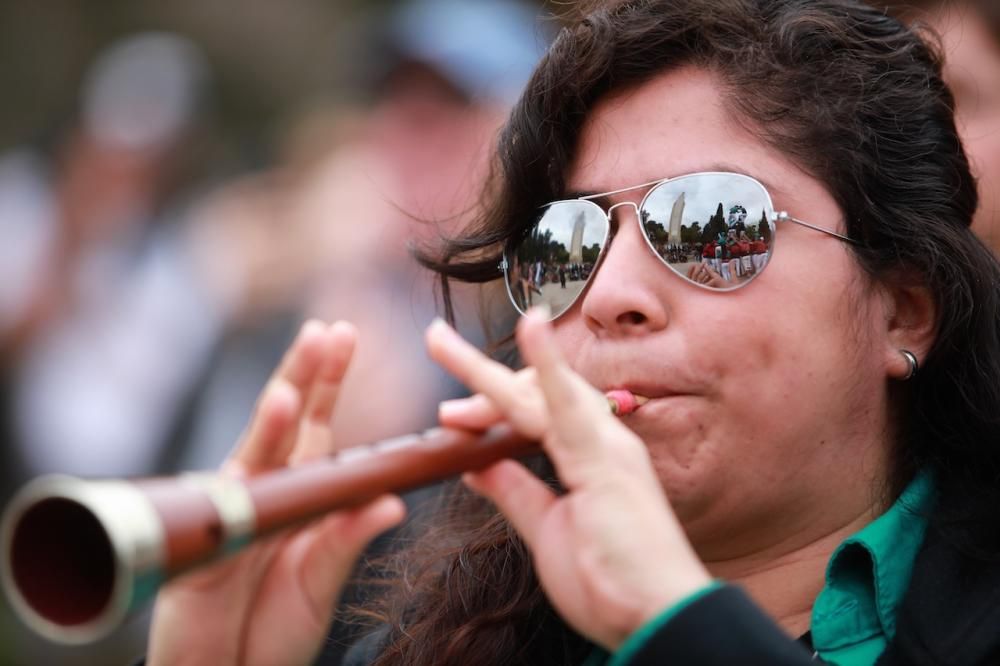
(715, 230)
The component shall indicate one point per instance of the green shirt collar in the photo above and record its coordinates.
(867, 577)
(854, 616)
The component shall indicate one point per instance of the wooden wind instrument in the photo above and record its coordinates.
(79, 555)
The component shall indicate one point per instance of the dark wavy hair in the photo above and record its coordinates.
(856, 100)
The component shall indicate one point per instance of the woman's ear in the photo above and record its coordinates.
(911, 325)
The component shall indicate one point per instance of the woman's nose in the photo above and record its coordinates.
(626, 295)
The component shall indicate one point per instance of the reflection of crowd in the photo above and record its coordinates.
(735, 257)
(736, 253)
(527, 278)
(679, 253)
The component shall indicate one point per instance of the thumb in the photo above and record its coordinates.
(295, 603)
(331, 548)
(519, 495)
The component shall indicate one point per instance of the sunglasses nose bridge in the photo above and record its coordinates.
(634, 205)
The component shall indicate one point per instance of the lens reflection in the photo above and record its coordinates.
(553, 263)
(712, 229)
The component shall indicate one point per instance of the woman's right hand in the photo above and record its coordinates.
(273, 603)
(608, 549)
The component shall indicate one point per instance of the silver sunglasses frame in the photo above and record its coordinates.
(773, 218)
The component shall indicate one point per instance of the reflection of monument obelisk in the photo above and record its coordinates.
(576, 244)
(676, 215)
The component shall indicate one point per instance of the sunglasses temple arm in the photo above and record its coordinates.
(785, 217)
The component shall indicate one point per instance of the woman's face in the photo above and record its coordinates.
(766, 398)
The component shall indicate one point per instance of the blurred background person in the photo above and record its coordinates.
(107, 318)
(160, 252)
(109, 310)
(356, 188)
(970, 36)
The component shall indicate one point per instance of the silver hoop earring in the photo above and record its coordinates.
(912, 360)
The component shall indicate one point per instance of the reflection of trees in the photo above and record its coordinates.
(540, 258)
(539, 246)
(691, 234)
(591, 253)
(764, 228)
(659, 235)
(716, 226)
(655, 231)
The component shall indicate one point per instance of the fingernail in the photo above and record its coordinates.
(440, 327)
(311, 327)
(447, 408)
(234, 468)
(283, 391)
(472, 481)
(341, 327)
(542, 312)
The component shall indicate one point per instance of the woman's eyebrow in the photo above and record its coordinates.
(594, 195)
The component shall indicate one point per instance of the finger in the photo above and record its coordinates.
(578, 412)
(302, 367)
(474, 413)
(296, 370)
(301, 362)
(520, 495)
(301, 588)
(522, 406)
(277, 413)
(315, 436)
(331, 548)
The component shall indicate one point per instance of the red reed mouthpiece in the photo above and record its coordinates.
(623, 402)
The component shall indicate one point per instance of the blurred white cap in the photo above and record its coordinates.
(487, 48)
(143, 91)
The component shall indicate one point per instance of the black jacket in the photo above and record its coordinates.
(950, 616)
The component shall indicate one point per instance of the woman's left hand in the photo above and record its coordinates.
(610, 553)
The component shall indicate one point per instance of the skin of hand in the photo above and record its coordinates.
(609, 552)
(272, 604)
(706, 275)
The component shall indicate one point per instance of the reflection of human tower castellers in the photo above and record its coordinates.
(738, 218)
(741, 263)
(576, 244)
